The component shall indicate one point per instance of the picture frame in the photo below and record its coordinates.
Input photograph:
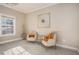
(44, 20)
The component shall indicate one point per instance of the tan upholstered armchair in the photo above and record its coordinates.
(32, 36)
(49, 40)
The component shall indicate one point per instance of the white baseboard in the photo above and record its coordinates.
(68, 47)
(10, 40)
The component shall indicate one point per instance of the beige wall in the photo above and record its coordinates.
(78, 30)
(64, 21)
(19, 22)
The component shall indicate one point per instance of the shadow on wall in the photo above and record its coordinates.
(59, 35)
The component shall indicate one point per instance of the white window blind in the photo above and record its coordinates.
(7, 25)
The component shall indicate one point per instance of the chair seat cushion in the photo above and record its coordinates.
(31, 39)
(49, 43)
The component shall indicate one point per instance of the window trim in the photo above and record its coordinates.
(14, 21)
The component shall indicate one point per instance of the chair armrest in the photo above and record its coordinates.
(27, 36)
(43, 37)
(54, 36)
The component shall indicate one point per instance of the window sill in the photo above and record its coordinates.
(7, 35)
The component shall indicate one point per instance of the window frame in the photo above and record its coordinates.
(14, 29)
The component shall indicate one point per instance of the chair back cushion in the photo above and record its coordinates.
(48, 37)
(32, 36)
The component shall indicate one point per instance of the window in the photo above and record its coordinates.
(7, 25)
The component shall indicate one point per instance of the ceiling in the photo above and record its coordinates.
(27, 7)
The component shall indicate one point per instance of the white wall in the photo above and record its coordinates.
(64, 21)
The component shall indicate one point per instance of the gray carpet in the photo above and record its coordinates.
(36, 48)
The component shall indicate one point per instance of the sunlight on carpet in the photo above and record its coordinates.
(16, 51)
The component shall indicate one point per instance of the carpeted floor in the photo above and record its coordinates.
(35, 48)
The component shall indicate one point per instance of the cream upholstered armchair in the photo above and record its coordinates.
(32, 36)
(49, 40)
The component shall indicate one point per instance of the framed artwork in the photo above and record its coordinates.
(44, 20)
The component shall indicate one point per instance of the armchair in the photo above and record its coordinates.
(32, 36)
(49, 40)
